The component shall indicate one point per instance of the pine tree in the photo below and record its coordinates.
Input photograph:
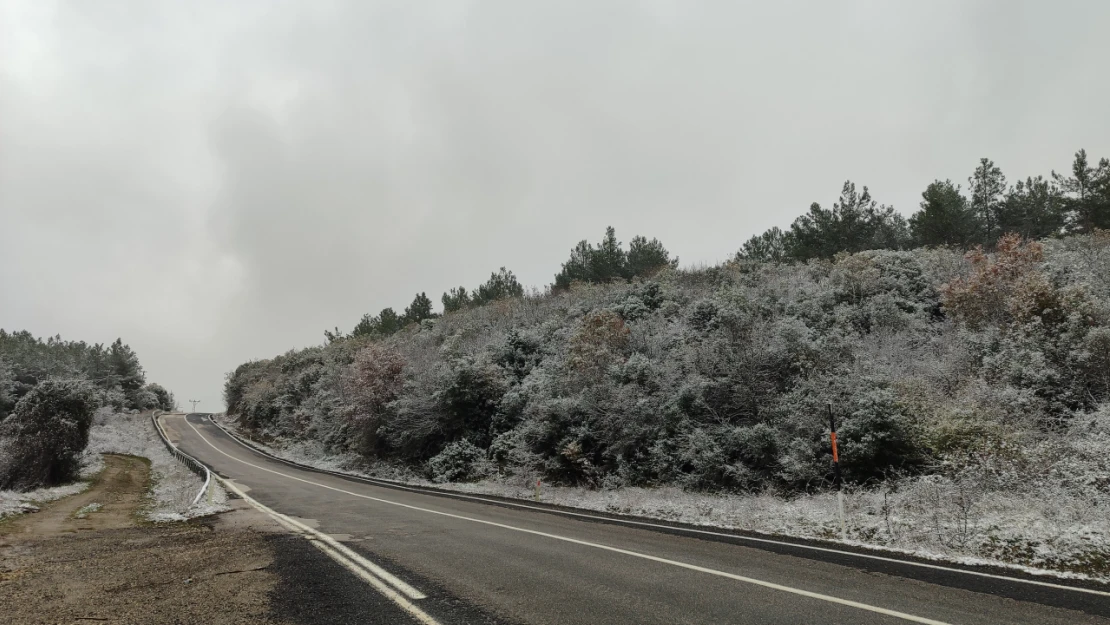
(1034, 208)
(455, 299)
(389, 322)
(855, 223)
(607, 263)
(578, 266)
(773, 246)
(419, 310)
(1088, 194)
(647, 257)
(501, 284)
(366, 326)
(987, 187)
(944, 218)
(125, 370)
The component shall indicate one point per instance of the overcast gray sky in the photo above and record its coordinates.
(220, 181)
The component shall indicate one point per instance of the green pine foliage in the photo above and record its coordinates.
(945, 219)
(608, 261)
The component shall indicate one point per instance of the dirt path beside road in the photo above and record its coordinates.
(77, 562)
(116, 493)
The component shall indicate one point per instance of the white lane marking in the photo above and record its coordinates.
(378, 585)
(636, 554)
(299, 527)
(355, 565)
(670, 528)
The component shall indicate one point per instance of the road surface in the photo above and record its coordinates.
(469, 561)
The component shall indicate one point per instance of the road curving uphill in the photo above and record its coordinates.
(527, 565)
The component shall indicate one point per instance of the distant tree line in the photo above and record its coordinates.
(606, 262)
(49, 391)
(113, 370)
(1033, 208)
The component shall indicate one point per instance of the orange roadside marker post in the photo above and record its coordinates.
(836, 474)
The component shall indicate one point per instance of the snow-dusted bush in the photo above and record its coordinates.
(45, 435)
(720, 378)
(460, 461)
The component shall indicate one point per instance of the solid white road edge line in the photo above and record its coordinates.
(298, 527)
(766, 541)
(636, 554)
(327, 546)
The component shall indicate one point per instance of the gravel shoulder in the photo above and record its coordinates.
(87, 558)
(93, 558)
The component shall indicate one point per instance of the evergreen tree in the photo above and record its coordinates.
(501, 284)
(855, 223)
(419, 310)
(944, 218)
(389, 322)
(366, 326)
(455, 299)
(987, 187)
(578, 267)
(1033, 208)
(1088, 194)
(773, 246)
(607, 263)
(891, 230)
(125, 370)
(647, 257)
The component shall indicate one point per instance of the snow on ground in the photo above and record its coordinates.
(174, 485)
(1041, 530)
(12, 502)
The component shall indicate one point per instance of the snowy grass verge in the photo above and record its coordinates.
(1040, 528)
(173, 486)
(13, 503)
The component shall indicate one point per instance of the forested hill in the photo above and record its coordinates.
(987, 364)
(113, 370)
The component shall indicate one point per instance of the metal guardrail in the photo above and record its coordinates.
(190, 462)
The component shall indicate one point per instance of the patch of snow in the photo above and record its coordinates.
(12, 502)
(85, 511)
(174, 485)
(1039, 529)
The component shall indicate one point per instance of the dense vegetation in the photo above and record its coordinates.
(49, 390)
(43, 438)
(631, 371)
(113, 370)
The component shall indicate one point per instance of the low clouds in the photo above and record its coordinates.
(217, 182)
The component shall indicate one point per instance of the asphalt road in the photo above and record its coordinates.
(483, 563)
